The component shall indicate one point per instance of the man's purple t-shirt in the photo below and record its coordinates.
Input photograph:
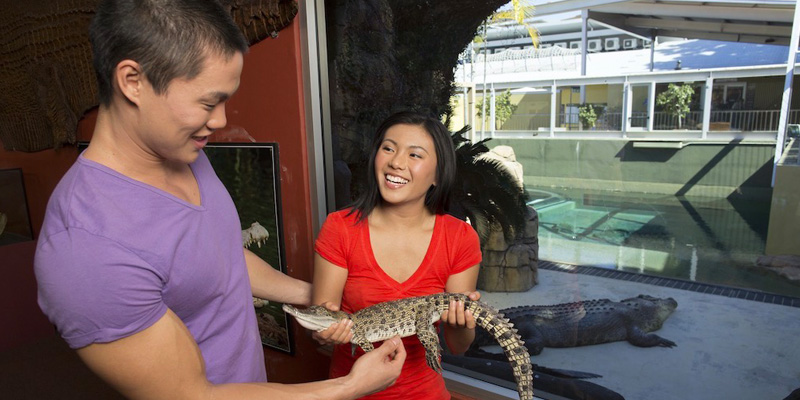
(115, 253)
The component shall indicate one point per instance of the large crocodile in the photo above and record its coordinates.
(416, 315)
(589, 322)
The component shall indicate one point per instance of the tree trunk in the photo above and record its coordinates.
(391, 55)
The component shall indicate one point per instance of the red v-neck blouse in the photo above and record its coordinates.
(454, 247)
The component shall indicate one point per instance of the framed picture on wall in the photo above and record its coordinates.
(250, 173)
(15, 220)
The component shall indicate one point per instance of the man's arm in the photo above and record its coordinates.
(164, 362)
(271, 284)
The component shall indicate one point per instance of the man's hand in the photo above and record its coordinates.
(338, 333)
(378, 369)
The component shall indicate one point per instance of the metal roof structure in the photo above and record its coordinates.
(764, 22)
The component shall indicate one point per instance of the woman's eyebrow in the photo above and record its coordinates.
(414, 146)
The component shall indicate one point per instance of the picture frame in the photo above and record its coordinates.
(15, 218)
(251, 173)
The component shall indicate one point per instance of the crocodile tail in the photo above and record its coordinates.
(507, 337)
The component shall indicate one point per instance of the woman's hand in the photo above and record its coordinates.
(338, 333)
(456, 316)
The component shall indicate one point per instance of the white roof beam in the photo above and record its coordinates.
(658, 77)
(723, 37)
(697, 11)
(714, 27)
(556, 7)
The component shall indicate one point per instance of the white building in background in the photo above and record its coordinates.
(738, 86)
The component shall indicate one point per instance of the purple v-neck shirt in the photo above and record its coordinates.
(114, 254)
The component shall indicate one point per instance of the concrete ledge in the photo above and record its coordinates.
(658, 145)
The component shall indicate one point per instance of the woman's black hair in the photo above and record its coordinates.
(438, 196)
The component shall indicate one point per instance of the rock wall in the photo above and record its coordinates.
(511, 267)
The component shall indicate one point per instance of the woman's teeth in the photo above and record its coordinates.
(396, 179)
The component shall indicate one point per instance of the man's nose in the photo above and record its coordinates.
(218, 118)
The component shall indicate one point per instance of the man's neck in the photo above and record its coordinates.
(114, 145)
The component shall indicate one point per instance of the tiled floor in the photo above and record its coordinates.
(731, 343)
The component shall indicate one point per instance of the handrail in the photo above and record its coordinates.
(721, 120)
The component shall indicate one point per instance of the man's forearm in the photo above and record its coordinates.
(268, 283)
(332, 389)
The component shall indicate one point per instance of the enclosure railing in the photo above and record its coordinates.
(721, 120)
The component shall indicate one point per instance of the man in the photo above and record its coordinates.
(140, 263)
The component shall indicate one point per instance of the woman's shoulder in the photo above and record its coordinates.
(452, 222)
(454, 228)
(345, 219)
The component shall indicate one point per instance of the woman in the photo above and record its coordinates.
(395, 242)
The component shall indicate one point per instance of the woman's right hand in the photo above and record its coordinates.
(338, 333)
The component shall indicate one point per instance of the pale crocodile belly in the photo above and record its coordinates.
(376, 333)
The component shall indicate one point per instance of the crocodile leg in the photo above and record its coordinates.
(361, 341)
(430, 341)
(638, 337)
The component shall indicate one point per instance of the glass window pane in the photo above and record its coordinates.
(625, 219)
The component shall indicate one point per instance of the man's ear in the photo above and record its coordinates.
(129, 79)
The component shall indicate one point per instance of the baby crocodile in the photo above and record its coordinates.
(416, 315)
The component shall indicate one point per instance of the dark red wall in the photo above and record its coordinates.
(269, 106)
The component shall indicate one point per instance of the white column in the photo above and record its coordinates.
(627, 103)
(553, 92)
(466, 105)
(584, 29)
(651, 106)
(492, 108)
(787, 91)
(474, 131)
(708, 91)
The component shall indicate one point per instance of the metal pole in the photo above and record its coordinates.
(651, 106)
(787, 91)
(553, 92)
(317, 107)
(653, 42)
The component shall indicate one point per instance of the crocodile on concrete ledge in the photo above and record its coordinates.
(588, 322)
(416, 315)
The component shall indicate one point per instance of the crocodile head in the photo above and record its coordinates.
(255, 234)
(315, 318)
(651, 312)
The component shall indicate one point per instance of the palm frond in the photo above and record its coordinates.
(486, 192)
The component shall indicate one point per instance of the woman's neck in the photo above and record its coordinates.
(401, 217)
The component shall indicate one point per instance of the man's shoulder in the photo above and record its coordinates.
(94, 198)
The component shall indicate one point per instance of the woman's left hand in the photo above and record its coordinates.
(457, 317)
